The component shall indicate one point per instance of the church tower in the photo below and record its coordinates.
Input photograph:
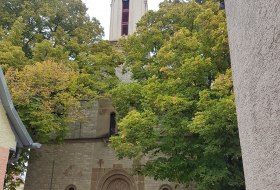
(85, 161)
(124, 16)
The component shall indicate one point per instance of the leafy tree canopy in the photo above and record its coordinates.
(52, 48)
(180, 110)
(44, 94)
(64, 22)
(53, 56)
(58, 30)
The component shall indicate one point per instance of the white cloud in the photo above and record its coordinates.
(101, 10)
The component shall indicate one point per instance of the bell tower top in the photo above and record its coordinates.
(124, 16)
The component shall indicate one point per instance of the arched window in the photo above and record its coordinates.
(71, 187)
(112, 123)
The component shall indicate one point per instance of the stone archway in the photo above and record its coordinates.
(118, 184)
(117, 180)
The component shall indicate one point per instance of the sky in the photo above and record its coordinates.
(101, 10)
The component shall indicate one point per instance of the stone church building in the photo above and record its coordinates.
(85, 161)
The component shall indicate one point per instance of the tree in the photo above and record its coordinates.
(53, 56)
(58, 30)
(179, 112)
(11, 54)
(15, 170)
(216, 125)
(63, 22)
(46, 97)
(47, 94)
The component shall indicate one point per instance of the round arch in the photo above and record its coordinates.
(117, 179)
(71, 187)
(165, 187)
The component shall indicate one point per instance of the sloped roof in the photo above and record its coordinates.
(23, 138)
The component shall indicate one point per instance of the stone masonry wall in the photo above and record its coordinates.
(94, 122)
(83, 164)
(254, 36)
(84, 159)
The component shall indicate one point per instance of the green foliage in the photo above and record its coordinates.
(97, 68)
(53, 57)
(180, 110)
(45, 93)
(12, 180)
(216, 126)
(45, 51)
(127, 97)
(9, 12)
(63, 22)
(137, 134)
(11, 56)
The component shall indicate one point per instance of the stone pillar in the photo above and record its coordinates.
(4, 154)
(254, 37)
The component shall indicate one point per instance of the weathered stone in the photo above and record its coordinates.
(85, 161)
(254, 36)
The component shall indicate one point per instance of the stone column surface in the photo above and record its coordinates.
(254, 38)
(4, 154)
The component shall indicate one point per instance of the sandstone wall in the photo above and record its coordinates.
(85, 160)
(94, 121)
(83, 164)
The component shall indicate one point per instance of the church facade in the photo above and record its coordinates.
(85, 160)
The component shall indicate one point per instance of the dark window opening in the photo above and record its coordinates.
(124, 30)
(112, 123)
(125, 4)
(222, 4)
(125, 17)
(71, 187)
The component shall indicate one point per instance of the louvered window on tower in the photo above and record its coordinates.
(125, 30)
(125, 4)
(125, 17)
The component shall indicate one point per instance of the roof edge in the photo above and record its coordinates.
(17, 125)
